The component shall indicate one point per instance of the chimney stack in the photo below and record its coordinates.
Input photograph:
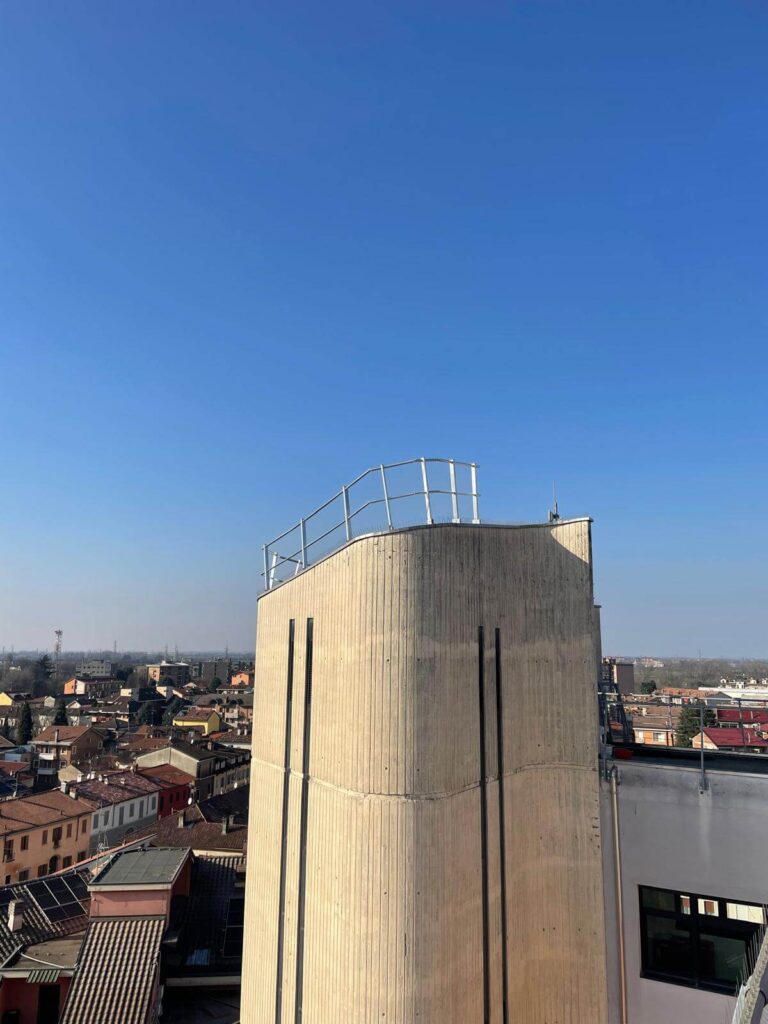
(180, 822)
(16, 915)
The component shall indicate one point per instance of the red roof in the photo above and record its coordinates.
(729, 737)
(742, 715)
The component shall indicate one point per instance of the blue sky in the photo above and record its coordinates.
(248, 249)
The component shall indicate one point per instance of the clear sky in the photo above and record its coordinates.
(248, 249)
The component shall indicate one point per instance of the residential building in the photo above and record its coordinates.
(61, 745)
(37, 924)
(42, 833)
(620, 673)
(201, 720)
(168, 673)
(138, 899)
(96, 668)
(86, 687)
(125, 803)
(175, 788)
(731, 738)
(215, 768)
(118, 971)
(215, 826)
(426, 707)
(243, 680)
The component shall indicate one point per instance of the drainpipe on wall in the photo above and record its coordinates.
(619, 895)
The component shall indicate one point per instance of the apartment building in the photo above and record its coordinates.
(125, 803)
(200, 720)
(42, 833)
(215, 768)
(60, 745)
(168, 673)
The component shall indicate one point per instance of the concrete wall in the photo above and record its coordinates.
(674, 837)
(393, 914)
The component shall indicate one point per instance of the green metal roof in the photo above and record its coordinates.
(153, 866)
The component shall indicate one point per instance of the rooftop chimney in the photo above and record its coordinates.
(55, 735)
(180, 822)
(225, 824)
(16, 915)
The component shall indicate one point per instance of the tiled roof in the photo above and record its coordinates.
(742, 715)
(167, 775)
(194, 714)
(37, 926)
(226, 804)
(35, 809)
(115, 788)
(67, 733)
(116, 976)
(13, 767)
(731, 737)
(210, 935)
(196, 834)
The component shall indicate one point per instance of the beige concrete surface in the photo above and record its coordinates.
(393, 913)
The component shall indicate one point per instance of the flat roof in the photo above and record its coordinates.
(690, 757)
(152, 866)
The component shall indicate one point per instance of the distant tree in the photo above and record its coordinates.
(24, 730)
(43, 670)
(649, 687)
(149, 713)
(60, 712)
(689, 723)
(172, 709)
(215, 684)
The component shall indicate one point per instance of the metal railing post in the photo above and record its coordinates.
(275, 557)
(426, 491)
(386, 496)
(303, 531)
(454, 495)
(703, 779)
(347, 523)
(475, 509)
(265, 550)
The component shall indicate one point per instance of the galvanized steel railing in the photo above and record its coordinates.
(275, 564)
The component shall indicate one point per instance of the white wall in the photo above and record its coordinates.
(674, 837)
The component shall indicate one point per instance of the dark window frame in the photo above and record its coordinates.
(694, 923)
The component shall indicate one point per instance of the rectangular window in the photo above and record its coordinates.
(42, 870)
(23, 875)
(69, 831)
(25, 842)
(45, 838)
(81, 854)
(83, 824)
(66, 862)
(701, 941)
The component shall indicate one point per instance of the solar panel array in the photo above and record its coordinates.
(60, 898)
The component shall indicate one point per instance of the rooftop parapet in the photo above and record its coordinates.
(385, 497)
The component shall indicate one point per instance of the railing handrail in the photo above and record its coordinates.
(299, 558)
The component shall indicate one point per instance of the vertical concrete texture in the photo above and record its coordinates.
(394, 922)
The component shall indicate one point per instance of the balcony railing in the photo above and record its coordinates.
(376, 491)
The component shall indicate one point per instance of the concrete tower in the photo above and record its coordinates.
(424, 843)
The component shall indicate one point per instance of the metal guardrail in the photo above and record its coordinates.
(301, 535)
